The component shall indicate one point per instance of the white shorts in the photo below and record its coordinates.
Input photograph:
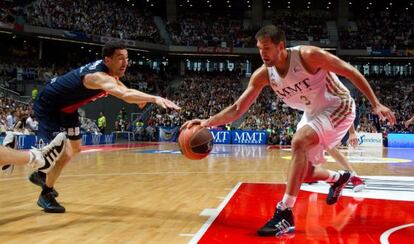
(331, 126)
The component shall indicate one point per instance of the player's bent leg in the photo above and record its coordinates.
(282, 221)
(47, 198)
(304, 138)
(73, 148)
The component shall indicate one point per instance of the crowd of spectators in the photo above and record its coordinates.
(391, 30)
(202, 96)
(293, 23)
(395, 92)
(384, 30)
(210, 30)
(16, 116)
(199, 96)
(23, 71)
(103, 18)
(228, 31)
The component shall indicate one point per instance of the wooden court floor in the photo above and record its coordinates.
(149, 193)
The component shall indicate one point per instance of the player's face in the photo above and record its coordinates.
(269, 52)
(118, 63)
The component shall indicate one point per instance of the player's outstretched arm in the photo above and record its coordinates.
(115, 88)
(258, 80)
(317, 58)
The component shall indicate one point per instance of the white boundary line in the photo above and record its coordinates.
(210, 220)
(386, 234)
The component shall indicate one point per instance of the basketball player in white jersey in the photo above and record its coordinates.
(304, 77)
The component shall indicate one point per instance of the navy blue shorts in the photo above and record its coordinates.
(53, 121)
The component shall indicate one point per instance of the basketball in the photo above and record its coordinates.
(195, 143)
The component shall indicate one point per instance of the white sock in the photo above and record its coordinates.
(31, 157)
(333, 176)
(288, 201)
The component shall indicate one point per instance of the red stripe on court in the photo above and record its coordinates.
(349, 221)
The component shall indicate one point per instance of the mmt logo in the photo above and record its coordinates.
(247, 137)
(221, 136)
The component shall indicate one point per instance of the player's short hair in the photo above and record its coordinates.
(273, 32)
(110, 47)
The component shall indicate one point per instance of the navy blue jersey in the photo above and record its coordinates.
(67, 92)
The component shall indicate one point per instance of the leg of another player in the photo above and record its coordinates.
(299, 169)
(357, 182)
(47, 198)
(340, 158)
(72, 149)
(8, 155)
(35, 158)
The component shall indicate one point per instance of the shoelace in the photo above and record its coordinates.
(283, 227)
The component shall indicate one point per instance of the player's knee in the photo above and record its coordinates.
(298, 143)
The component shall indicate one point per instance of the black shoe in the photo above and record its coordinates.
(335, 190)
(40, 179)
(281, 223)
(49, 203)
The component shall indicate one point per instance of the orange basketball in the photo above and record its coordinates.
(195, 143)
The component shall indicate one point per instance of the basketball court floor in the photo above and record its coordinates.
(149, 193)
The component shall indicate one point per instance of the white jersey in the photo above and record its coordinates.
(311, 93)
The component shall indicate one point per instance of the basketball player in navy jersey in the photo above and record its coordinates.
(304, 77)
(56, 107)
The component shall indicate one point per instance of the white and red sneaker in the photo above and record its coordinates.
(357, 183)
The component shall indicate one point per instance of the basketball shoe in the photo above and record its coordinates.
(357, 183)
(335, 190)
(281, 223)
(39, 178)
(49, 204)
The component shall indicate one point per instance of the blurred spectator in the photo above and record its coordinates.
(121, 122)
(101, 123)
(35, 91)
(32, 124)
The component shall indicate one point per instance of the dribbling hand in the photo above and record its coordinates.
(190, 123)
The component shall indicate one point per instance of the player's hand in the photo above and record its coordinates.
(384, 113)
(165, 103)
(353, 139)
(190, 123)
